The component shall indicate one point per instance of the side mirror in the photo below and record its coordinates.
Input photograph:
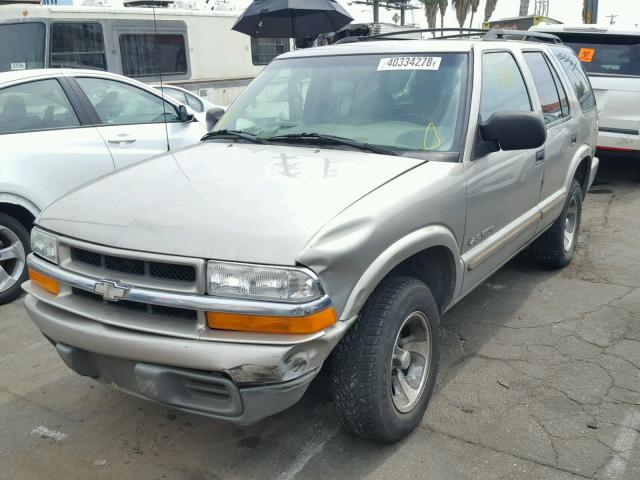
(183, 114)
(213, 115)
(512, 131)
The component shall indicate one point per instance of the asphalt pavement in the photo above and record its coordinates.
(540, 379)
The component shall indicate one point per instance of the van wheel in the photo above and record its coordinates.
(14, 247)
(556, 247)
(383, 371)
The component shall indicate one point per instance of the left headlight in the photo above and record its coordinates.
(44, 245)
(258, 282)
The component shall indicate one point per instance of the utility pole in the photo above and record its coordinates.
(591, 14)
(542, 8)
(613, 18)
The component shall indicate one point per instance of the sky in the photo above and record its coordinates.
(567, 11)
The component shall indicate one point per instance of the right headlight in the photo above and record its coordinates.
(44, 245)
(259, 282)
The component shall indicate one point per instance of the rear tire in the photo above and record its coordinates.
(14, 248)
(383, 371)
(556, 247)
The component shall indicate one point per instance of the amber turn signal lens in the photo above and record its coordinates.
(254, 323)
(48, 283)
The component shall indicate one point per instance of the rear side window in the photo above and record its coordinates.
(546, 86)
(149, 54)
(503, 88)
(40, 105)
(604, 54)
(77, 45)
(577, 76)
(21, 46)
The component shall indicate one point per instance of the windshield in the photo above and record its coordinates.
(606, 54)
(405, 103)
(21, 46)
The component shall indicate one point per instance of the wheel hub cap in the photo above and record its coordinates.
(410, 363)
(12, 259)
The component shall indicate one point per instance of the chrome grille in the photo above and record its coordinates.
(167, 312)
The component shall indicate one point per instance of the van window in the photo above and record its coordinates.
(150, 54)
(604, 54)
(77, 45)
(545, 86)
(581, 85)
(40, 105)
(503, 88)
(21, 46)
(263, 50)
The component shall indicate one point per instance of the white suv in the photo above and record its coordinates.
(611, 58)
(61, 129)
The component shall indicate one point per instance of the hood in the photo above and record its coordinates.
(226, 201)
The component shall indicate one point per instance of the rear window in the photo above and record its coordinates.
(606, 54)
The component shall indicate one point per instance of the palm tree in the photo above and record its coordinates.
(442, 4)
(585, 12)
(489, 9)
(462, 10)
(524, 7)
(474, 8)
(431, 12)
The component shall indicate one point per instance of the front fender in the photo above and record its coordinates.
(405, 247)
(13, 199)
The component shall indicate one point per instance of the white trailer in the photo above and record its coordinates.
(195, 49)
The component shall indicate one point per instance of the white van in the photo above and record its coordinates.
(611, 57)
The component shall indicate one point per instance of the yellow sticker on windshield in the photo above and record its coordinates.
(586, 54)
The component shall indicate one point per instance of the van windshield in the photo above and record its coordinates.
(21, 46)
(408, 103)
(606, 54)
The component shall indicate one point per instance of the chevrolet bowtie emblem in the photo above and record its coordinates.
(110, 291)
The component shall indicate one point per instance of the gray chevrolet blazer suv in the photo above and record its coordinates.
(348, 198)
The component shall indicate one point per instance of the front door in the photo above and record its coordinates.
(135, 123)
(503, 187)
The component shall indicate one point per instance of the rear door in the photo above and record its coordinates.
(135, 123)
(561, 135)
(46, 151)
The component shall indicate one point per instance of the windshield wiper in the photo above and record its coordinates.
(234, 134)
(320, 138)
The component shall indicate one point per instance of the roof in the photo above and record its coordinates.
(402, 46)
(591, 29)
(16, 12)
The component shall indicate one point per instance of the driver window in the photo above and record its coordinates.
(503, 88)
(117, 103)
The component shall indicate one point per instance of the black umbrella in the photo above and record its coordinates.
(291, 18)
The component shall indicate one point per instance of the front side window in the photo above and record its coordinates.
(603, 54)
(77, 45)
(117, 103)
(571, 65)
(545, 86)
(194, 103)
(40, 105)
(503, 88)
(263, 50)
(408, 103)
(150, 54)
(21, 46)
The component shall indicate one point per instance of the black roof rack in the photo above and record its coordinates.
(522, 35)
(495, 34)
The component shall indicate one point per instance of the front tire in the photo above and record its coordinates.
(557, 246)
(383, 371)
(14, 248)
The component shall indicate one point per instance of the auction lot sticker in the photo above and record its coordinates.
(409, 63)
(586, 54)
